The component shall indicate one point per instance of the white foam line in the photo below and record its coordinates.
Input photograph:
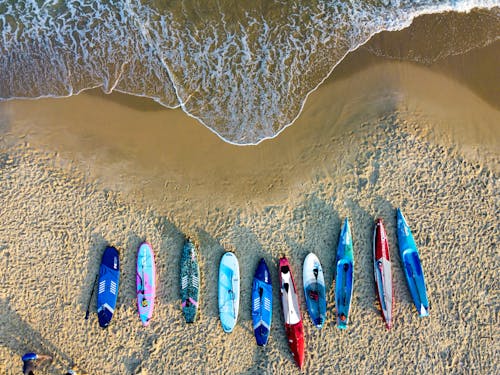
(397, 28)
(403, 25)
(146, 35)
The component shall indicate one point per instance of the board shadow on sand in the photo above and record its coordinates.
(96, 247)
(364, 297)
(387, 211)
(167, 258)
(321, 231)
(249, 251)
(210, 252)
(20, 337)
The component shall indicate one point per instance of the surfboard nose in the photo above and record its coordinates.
(262, 272)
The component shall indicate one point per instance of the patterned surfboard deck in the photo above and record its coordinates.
(190, 281)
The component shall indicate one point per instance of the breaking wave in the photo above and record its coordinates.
(244, 69)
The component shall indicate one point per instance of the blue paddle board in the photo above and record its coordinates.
(412, 266)
(344, 277)
(262, 303)
(107, 293)
(229, 291)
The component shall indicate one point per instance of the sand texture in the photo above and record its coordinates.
(76, 175)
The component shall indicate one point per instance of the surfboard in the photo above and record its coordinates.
(314, 289)
(291, 312)
(383, 272)
(229, 291)
(107, 293)
(262, 303)
(344, 277)
(190, 281)
(412, 266)
(145, 282)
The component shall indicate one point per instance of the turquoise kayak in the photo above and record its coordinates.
(344, 276)
(412, 266)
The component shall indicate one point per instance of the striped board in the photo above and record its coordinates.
(145, 282)
(412, 266)
(108, 282)
(190, 281)
(294, 326)
(262, 303)
(344, 277)
(383, 272)
(229, 291)
(314, 289)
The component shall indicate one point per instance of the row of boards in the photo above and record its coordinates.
(262, 294)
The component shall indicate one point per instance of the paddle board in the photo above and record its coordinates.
(107, 293)
(145, 282)
(291, 312)
(229, 291)
(190, 281)
(412, 265)
(262, 303)
(314, 289)
(344, 277)
(383, 272)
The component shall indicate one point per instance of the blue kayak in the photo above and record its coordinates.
(412, 266)
(262, 303)
(107, 294)
(344, 276)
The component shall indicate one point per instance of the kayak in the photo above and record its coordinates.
(314, 289)
(145, 282)
(383, 272)
(190, 281)
(412, 266)
(291, 312)
(262, 303)
(344, 277)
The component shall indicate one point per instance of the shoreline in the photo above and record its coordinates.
(101, 133)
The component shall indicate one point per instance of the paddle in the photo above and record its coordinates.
(90, 299)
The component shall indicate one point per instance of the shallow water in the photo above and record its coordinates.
(243, 70)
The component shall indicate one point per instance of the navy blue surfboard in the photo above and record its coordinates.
(109, 277)
(262, 303)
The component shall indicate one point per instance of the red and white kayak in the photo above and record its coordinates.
(291, 312)
(383, 272)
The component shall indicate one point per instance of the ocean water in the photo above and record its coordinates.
(242, 68)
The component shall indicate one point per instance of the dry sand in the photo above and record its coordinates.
(79, 173)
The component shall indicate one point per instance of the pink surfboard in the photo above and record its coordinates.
(146, 282)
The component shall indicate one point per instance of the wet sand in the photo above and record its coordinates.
(82, 172)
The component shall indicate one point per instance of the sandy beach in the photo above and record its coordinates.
(79, 173)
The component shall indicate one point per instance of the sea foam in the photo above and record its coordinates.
(243, 70)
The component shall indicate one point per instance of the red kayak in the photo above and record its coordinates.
(383, 272)
(291, 312)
